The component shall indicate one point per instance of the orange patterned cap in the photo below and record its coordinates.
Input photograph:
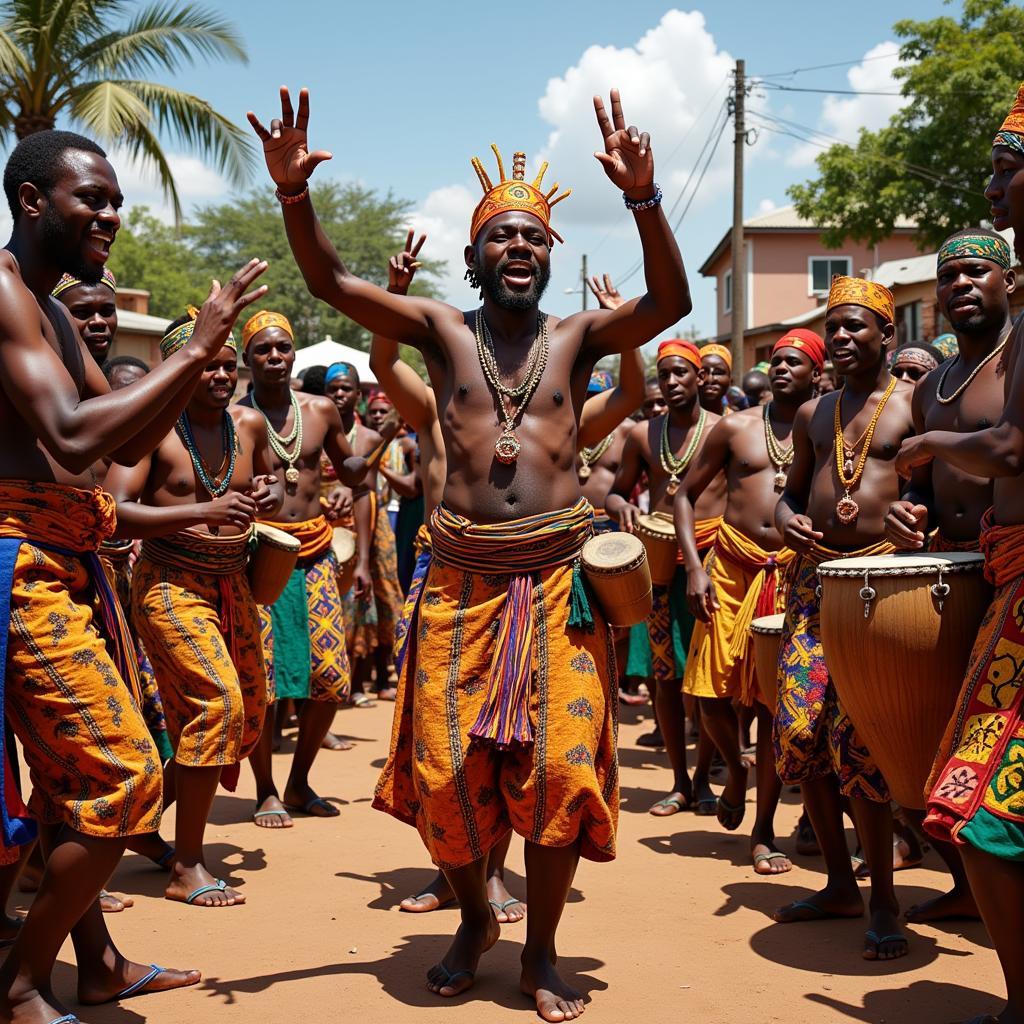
(265, 318)
(714, 349)
(858, 291)
(1014, 122)
(514, 193)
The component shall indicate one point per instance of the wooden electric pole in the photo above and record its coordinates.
(583, 281)
(739, 262)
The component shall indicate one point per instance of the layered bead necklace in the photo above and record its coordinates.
(781, 457)
(508, 446)
(588, 456)
(675, 466)
(970, 377)
(280, 443)
(217, 483)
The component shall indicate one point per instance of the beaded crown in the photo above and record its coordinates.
(179, 337)
(69, 281)
(514, 193)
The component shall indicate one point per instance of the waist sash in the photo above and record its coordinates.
(314, 536)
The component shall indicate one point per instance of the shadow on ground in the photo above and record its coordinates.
(934, 1002)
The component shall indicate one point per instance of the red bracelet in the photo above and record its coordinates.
(287, 200)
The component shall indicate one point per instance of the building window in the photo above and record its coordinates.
(820, 270)
(727, 292)
(908, 323)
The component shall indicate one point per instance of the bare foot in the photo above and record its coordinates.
(955, 905)
(303, 798)
(672, 804)
(332, 742)
(437, 894)
(823, 905)
(271, 814)
(128, 979)
(507, 909)
(457, 971)
(556, 1001)
(111, 904)
(769, 859)
(884, 940)
(197, 887)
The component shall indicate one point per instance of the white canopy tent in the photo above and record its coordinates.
(328, 351)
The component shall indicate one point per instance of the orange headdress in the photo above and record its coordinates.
(715, 349)
(263, 319)
(682, 348)
(514, 194)
(1011, 132)
(857, 291)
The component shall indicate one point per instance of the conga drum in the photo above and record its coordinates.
(897, 632)
(767, 635)
(271, 563)
(616, 568)
(658, 533)
(344, 546)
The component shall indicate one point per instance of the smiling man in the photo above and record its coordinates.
(716, 361)
(506, 712)
(92, 310)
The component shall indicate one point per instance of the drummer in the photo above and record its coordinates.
(193, 503)
(943, 506)
(977, 797)
(753, 451)
(664, 448)
(304, 630)
(854, 432)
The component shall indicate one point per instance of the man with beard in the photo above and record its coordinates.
(977, 801)
(739, 580)
(72, 703)
(503, 736)
(664, 448)
(193, 503)
(840, 485)
(716, 362)
(303, 632)
(974, 281)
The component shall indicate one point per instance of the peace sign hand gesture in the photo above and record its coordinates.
(402, 268)
(285, 146)
(627, 157)
(607, 294)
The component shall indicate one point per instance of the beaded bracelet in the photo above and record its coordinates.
(644, 204)
(287, 200)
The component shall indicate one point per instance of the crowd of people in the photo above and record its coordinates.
(435, 539)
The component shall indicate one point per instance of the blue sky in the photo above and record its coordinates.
(404, 94)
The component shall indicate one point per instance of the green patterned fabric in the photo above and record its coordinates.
(985, 247)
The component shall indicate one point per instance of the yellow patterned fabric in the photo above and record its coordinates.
(265, 318)
(857, 291)
(721, 351)
(1014, 121)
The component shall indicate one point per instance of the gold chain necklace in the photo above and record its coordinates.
(781, 458)
(588, 456)
(847, 509)
(676, 466)
(508, 446)
(970, 377)
(279, 442)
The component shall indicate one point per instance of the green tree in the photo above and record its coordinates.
(87, 61)
(931, 161)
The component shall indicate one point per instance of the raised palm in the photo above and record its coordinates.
(285, 146)
(627, 157)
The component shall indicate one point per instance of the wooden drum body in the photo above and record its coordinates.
(616, 568)
(767, 636)
(344, 546)
(658, 533)
(272, 562)
(897, 632)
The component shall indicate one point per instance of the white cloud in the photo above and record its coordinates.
(844, 116)
(444, 216)
(766, 206)
(197, 183)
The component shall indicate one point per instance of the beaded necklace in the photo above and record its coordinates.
(214, 487)
(675, 466)
(970, 377)
(780, 456)
(588, 456)
(849, 475)
(280, 443)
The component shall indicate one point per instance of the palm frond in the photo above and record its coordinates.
(108, 109)
(12, 60)
(145, 147)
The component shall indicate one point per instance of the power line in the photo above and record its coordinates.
(822, 67)
(860, 92)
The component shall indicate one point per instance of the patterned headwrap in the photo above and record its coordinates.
(336, 370)
(600, 380)
(857, 291)
(67, 281)
(514, 194)
(379, 396)
(979, 246)
(915, 356)
(807, 342)
(946, 344)
(682, 348)
(1011, 132)
(178, 338)
(265, 318)
(721, 351)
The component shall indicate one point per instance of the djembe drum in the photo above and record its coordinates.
(271, 563)
(658, 533)
(897, 632)
(343, 544)
(616, 568)
(767, 635)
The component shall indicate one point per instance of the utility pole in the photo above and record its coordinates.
(739, 253)
(583, 280)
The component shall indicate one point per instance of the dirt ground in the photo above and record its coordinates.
(677, 929)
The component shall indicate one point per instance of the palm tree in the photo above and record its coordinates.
(86, 62)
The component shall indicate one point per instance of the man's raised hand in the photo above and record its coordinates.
(285, 146)
(627, 157)
(222, 307)
(605, 292)
(402, 268)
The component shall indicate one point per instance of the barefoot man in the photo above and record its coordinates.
(840, 486)
(977, 801)
(193, 503)
(304, 630)
(740, 581)
(72, 703)
(506, 715)
(974, 281)
(664, 448)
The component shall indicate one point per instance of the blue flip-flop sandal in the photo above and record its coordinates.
(218, 886)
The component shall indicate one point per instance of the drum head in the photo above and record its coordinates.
(768, 625)
(658, 523)
(611, 551)
(278, 538)
(905, 564)
(344, 544)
